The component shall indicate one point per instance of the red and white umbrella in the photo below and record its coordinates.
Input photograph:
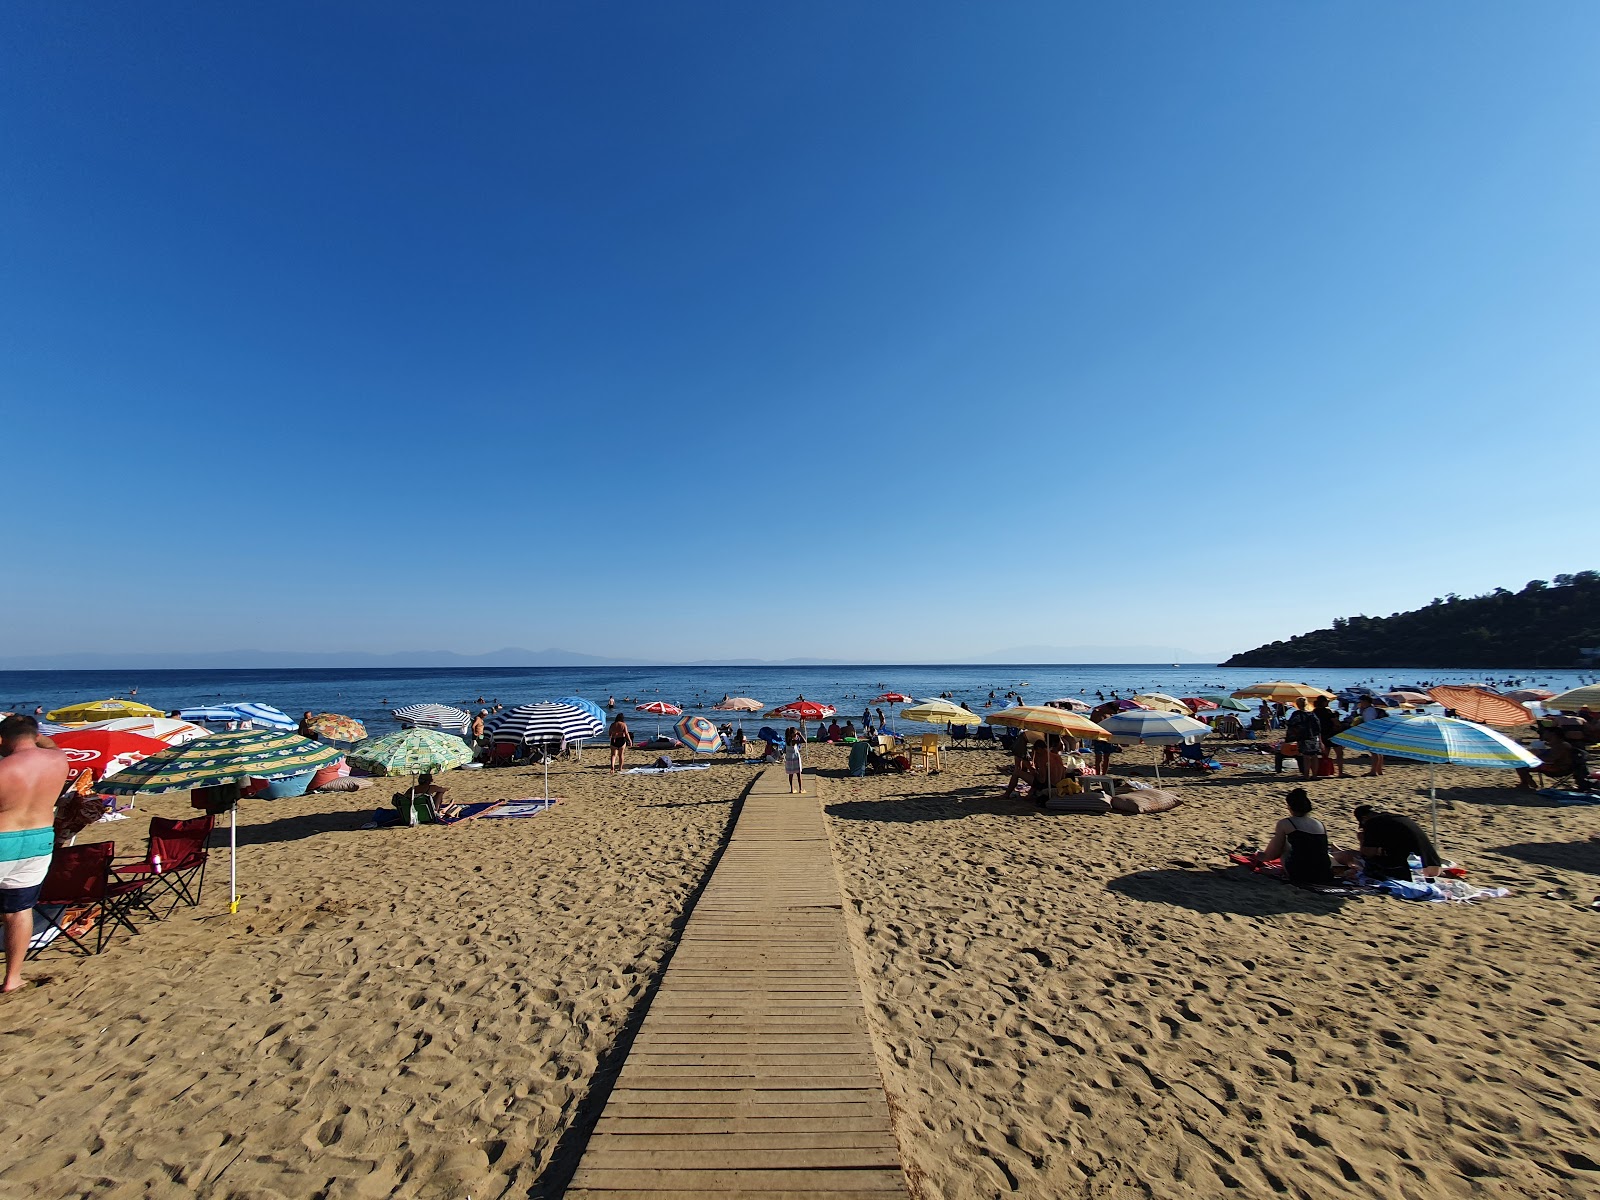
(802, 711)
(737, 704)
(660, 708)
(104, 752)
(168, 730)
(892, 698)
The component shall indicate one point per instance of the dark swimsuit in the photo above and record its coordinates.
(1305, 860)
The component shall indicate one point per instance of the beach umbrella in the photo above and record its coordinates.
(222, 758)
(104, 752)
(409, 752)
(698, 733)
(802, 711)
(1436, 740)
(538, 724)
(1038, 718)
(1196, 704)
(1126, 705)
(1161, 702)
(337, 728)
(737, 704)
(1280, 690)
(1157, 728)
(588, 706)
(169, 730)
(1580, 697)
(1481, 705)
(659, 708)
(939, 712)
(101, 710)
(262, 715)
(1406, 697)
(433, 716)
(1071, 702)
(1224, 701)
(892, 698)
(1522, 695)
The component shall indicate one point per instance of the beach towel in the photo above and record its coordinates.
(468, 812)
(666, 770)
(1274, 871)
(1569, 797)
(508, 809)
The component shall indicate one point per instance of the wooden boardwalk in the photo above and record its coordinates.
(753, 1072)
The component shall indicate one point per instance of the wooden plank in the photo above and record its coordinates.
(753, 1073)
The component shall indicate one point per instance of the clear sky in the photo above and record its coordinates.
(862, 331)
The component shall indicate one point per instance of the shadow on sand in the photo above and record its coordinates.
(1234, 891)
(1568, 856)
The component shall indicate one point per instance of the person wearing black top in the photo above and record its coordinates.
(1330, 724)
(1300, 841)
(1305, 731)
(1387, 839)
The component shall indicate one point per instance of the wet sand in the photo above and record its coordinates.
(1063, 1004)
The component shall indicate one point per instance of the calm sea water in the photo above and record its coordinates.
(368, 695)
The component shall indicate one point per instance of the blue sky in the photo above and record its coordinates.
(874, 332)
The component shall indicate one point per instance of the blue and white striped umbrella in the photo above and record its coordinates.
(531, 723)
(588, 706)
(262, 715)
(1157, 728)
(433, 716)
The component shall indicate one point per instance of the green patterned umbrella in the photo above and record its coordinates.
(224, 758)
(410, 752)
(234, 757)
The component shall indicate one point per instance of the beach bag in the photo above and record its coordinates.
(901, 762)
(1327, 767)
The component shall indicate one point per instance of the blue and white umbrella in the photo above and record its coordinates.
(543, 724)
(1157, 728)
(433, 716)
(588, 706)
(261, 715)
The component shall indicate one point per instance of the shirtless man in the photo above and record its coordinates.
(31, 778)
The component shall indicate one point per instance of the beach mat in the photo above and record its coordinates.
(666, 770)
(508, 809)
(1569, 797)
(470, 812)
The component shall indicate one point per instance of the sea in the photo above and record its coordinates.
(369, 694)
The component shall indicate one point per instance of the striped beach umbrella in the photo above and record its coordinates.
(1280, 690)
(262, 715)
(433, 716)
(540, 724)
(1580, 697)
(101, 710)
(588, 706)
(698, 733)
(1436, 740)
(939, 712)
(1482, 706)
(1156, 728)
(337, 728)
(410, 752)
(532, 724)
(1070, 702)
(1161, 702)
(1039, 718)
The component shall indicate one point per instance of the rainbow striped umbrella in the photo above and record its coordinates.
(1435, 740)
(698, 733)
(1041, 719)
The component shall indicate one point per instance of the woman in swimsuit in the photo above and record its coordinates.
(621, 739)
(1300, 842)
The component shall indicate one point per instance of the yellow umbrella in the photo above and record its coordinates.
(1040, 719)
(1162, 702)
(1280, 690)
(939, 712)
(101, 710)
(1581, 697)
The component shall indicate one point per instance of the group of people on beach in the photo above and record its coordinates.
(1389, 846)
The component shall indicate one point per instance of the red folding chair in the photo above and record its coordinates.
(502, 754)
(78, 888)
(175, 860)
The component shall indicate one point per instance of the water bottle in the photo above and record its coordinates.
(1414, 861)
(155, 861)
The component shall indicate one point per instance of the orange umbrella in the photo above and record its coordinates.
(1481, 705)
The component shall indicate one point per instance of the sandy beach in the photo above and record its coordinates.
(1062, 1004)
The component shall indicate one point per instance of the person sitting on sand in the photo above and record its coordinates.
(1300, 843)
(834, 731)
(1021, 767)
(1387, 840)
(849, 730)
(429, 792)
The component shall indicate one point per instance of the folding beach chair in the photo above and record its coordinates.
(958, 734)
(175, 862)
(79, 888)
(502, 754)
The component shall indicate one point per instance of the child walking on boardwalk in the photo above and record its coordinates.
(792, 762)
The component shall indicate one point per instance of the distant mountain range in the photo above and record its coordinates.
(514, 656)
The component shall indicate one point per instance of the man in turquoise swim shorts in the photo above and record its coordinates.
(31, 779)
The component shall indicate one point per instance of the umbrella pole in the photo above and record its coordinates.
(1433, 807)
(233, 859)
